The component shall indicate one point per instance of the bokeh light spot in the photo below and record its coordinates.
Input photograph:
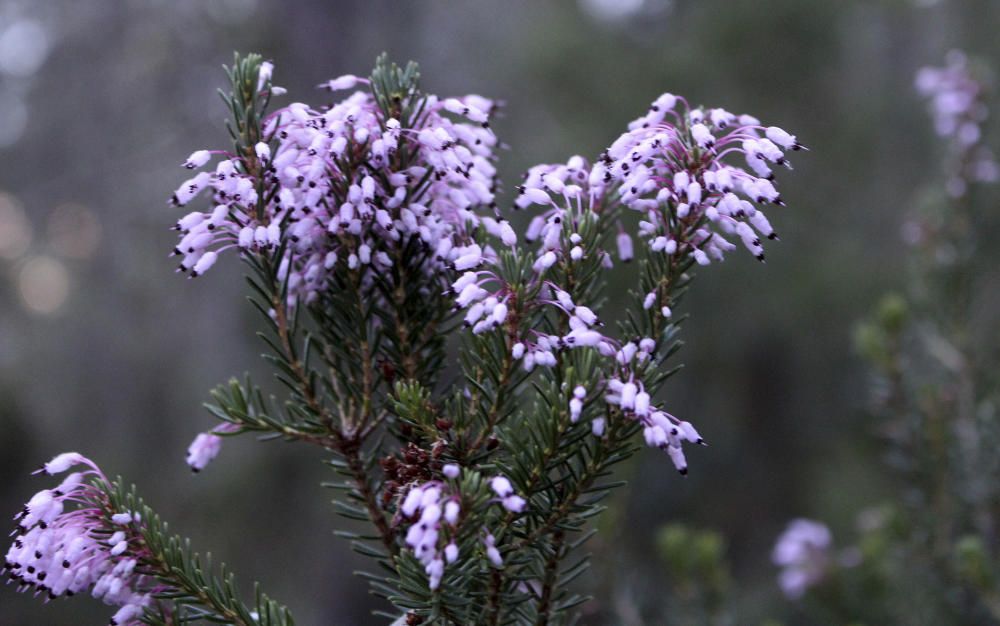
(24, 44)
(44, 285)
(612, 10)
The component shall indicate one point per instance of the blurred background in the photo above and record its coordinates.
(103, 349)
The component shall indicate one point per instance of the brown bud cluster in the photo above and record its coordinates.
(411, 464)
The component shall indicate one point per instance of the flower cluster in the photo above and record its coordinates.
(671, 168)
(660, 429)
(581, 331)
(434, 510)
(350, 183)
(486, 295)
(68, 542)
(956, 102)
(570, 193)
(626, 391)
(569, 196)
(803, 553)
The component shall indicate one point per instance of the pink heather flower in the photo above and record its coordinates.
(264, 75)
(514, 503)
(435, 515)
(625, 250)
(63, 462)
(203, 450)
(347, 81)
(345, 186)
(957, 104)
(433, 511)
(954, 98)
(660, 429)
(597, 426)
(501, 486)
(206, 446)
(505, 492)
(575, 408)
(197, 159)
(492, 553)
(69, 542)
(803, 553)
